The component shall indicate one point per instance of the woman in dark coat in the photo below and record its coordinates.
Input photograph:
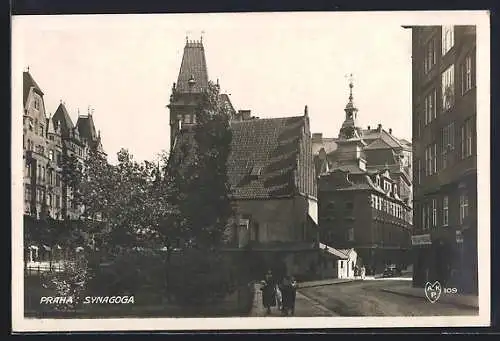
(268, 292)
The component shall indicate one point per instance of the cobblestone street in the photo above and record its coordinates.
(365, 298)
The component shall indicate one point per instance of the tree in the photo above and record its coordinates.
(198, 175)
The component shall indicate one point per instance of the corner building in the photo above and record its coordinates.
(445, 159)
(47, 141)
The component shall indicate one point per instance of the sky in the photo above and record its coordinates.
(274, 64)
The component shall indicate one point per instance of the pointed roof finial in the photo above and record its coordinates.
(28, 68)
(78, 110)
(201, 37)
(306, 111)
(351, 85)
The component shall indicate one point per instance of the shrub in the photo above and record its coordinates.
(199, 277)
(132, 273)
(71, 282)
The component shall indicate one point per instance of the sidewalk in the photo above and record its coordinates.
(304, 307)
(465, 301)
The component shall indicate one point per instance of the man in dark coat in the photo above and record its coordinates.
(268, 292)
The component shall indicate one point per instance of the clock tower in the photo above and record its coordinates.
(350, 128)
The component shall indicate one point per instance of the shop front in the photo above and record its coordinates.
(437, 257)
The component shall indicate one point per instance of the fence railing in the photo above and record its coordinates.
(36, 268)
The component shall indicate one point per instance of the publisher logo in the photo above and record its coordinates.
(433, 291)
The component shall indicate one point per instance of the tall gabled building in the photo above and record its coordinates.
(270, 170)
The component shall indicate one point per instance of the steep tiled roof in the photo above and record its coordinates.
(193, 66)
(28, 83)
(86, 127)
(62, 120)
(373, 134)
(266, 158)
(274, 146)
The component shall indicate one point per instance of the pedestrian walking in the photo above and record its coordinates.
(293, 294)
(268, 289)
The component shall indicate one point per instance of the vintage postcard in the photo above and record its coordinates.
(250, 171)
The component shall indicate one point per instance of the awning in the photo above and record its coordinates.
(33, 247)
(47, 248)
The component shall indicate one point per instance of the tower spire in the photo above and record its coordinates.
(350, 126)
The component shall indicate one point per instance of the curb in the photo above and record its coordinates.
(461, 305)
(303, 286)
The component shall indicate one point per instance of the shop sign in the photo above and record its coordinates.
(422, 239)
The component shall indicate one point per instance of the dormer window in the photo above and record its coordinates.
(256, 171)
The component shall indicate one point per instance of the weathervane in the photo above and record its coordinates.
(350, 77)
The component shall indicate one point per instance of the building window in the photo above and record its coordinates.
(36, 103)
(58, 180)
(58, 201)
(448, 38)
(41, 130)
(445, 210)
(350, 234)
(430, 55)
(464, 207)
(27, 193)
(39, 172)
(29, 145)
(49, 199)
(467, 74)
(430, 107)
(466, 139)
(349, 207)
(434, 158)
(425, 216)
(448, 88)
(448, 143)
(434, 212)
(419, 171)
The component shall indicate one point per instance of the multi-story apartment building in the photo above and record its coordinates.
(444, 149)
(364, 188)
(47, 141)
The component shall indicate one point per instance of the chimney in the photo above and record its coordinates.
(245, 114)
(368, 127)
(390, 131)
(317, 137)
(379, 128)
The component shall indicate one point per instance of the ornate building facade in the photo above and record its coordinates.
(365, 191)
(47, 141)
